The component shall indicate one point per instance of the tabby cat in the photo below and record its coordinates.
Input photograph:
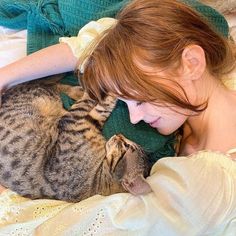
(48, 152)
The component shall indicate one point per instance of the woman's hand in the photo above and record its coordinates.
(2, 189)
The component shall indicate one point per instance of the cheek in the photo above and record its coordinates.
(174, 121)
(152, 110)
(171, 119)
(170, 122)
(175, 117)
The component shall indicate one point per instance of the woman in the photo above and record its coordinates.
(166, 65)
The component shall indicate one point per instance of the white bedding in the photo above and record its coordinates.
(12, 45)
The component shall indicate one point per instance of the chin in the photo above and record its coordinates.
(165, 131)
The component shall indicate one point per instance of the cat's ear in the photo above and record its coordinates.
(132, 169)
(137, 186)
(120, 169)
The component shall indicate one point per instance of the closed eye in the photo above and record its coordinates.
(139, 103)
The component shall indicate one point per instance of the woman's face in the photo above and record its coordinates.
(165, 119)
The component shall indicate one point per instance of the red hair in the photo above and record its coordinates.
(155, 32)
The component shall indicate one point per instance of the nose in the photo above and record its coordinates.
(135, 114)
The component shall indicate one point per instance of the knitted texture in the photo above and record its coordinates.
(47, 20)
(41, 18)
(78, 13)
(217, 21)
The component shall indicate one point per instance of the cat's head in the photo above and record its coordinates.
(128, 164)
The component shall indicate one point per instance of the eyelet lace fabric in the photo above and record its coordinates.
(192, 195)
(20, 216)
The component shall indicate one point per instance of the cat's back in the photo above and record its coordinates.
(29, 118)
(30, 101)
(28, 112)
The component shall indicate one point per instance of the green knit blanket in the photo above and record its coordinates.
(47, 20)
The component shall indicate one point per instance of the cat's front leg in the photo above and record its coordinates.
(103, 109)
(75, 92)
(83, 106)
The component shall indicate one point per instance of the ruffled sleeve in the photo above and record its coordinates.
(87, 35)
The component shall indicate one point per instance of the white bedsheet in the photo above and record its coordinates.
(12, 45)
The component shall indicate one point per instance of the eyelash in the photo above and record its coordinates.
(139, 103)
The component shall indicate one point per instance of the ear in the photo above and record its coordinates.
(137, 186)
(193, 62)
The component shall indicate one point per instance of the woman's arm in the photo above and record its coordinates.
(59, 58)
(55, 59)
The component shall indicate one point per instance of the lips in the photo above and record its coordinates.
(155, 123)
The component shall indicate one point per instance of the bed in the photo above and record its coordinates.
(125, 214)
